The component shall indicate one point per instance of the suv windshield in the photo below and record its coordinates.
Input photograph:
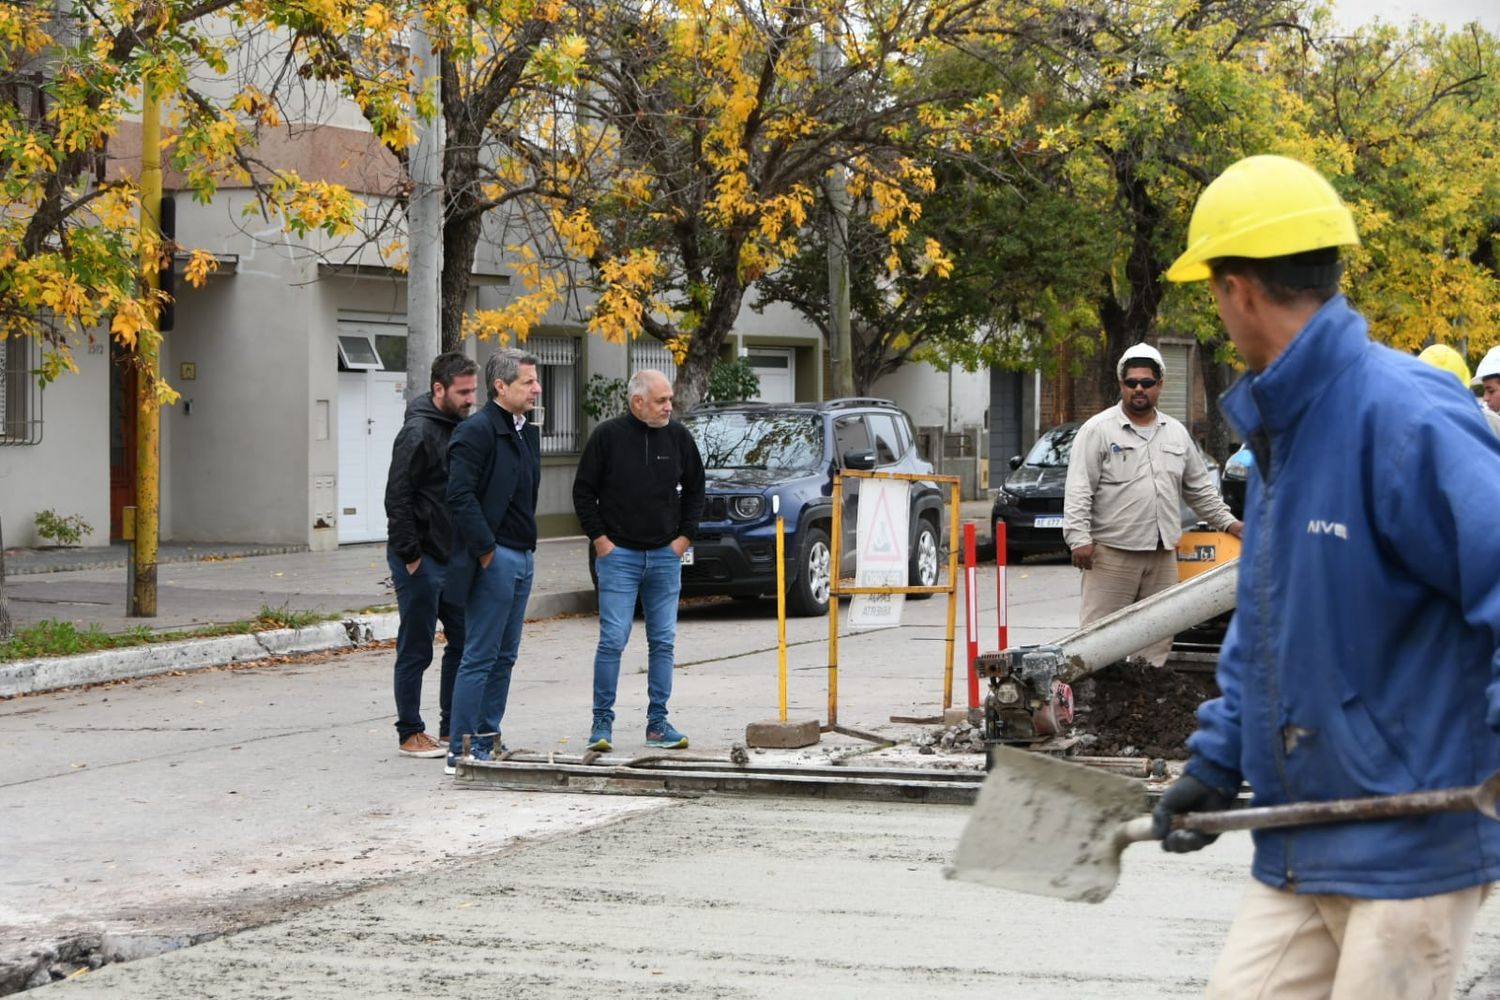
(1052, 448)
(783, 442)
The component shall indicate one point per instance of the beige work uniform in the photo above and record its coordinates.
(1124, 495)
(1301, 947)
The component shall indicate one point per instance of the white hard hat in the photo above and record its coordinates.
(1488, 367)
(1146, 352)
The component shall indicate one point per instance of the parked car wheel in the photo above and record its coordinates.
(924, 559)
(810, 590)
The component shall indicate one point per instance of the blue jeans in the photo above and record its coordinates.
(494, 610)
(423, 602)
(655, 576)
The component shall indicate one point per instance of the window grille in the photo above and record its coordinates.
(20, 395)
(560, 366)
(1176, 390)
(652, 354)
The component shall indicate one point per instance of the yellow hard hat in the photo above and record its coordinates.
(1263, 206)
(1444, 357)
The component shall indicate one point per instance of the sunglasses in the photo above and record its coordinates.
(1140, 383)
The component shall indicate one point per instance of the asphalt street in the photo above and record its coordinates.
(267, 804)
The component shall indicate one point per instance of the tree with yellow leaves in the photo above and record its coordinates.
(716, 127)
(505, 71)
(70, 246)
(1410, 121)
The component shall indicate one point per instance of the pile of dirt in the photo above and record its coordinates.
(1133, 709)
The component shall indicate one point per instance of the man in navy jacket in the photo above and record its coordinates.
(1362, 657)
(494, 471)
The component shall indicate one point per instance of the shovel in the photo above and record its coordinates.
(1052, 828)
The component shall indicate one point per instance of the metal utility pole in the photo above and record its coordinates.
(424, 229)
(837, 191)
(148, 365)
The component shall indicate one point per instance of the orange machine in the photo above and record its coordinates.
(1201, 550)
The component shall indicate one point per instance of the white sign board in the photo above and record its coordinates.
(881, 540)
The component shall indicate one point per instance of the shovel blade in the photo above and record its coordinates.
(1047, 827)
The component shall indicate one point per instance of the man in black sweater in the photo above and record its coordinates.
(419, 541)
(639, 495)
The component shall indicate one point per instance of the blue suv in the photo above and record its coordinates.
(753, 452)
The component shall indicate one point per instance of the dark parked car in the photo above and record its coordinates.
(1030, 501)
(1236, 476)
(754, 452)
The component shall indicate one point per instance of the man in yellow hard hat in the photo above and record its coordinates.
(1444, 357)
(1362, 658)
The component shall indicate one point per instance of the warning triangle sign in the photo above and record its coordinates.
(883, 543)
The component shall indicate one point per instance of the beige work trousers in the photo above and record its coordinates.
(1292, 947)
(1119, 579)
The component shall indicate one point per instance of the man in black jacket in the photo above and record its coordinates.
(639, 495)
(419, 533)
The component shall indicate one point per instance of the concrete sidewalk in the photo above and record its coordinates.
(217, 584)
(224, 587)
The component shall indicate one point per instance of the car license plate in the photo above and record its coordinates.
(1048, 521)
(687, 556)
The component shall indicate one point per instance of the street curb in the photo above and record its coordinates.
(53, 673)
(91, 559)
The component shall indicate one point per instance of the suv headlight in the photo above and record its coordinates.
(746, 508)
(1005, 498)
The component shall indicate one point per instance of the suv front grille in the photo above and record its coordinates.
(1042, 505)
(715, 509)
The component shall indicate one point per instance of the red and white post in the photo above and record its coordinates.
(971, 613)
(1002, 613)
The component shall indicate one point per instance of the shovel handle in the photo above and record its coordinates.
(1475, 797)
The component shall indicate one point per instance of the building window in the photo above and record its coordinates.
(1177, 383)
(20, 395)
(562, 413)
(652, 354)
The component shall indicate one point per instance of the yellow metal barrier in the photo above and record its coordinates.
(781, 604)
(836, 588)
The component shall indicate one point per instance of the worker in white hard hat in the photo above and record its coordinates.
(1363, 656)
(1130, 469)
(1449, 360)
(1487, 377)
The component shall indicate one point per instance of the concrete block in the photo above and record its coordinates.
(777, 735)
(958, 716)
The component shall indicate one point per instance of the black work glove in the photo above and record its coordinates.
(1187, 795)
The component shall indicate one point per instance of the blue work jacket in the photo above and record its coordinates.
(1362, 657)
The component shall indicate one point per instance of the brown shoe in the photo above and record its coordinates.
(422, 745)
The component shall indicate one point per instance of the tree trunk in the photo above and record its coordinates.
(1128, 322)
(706, 342)
(6, 629)
(1217, 377)
(463, 221)
(460, 240)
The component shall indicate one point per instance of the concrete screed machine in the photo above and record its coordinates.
(1030, 696)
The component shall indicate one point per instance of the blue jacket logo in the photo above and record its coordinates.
(1333, 528)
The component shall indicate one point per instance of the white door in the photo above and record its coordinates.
(773, 366)
(371, 407)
